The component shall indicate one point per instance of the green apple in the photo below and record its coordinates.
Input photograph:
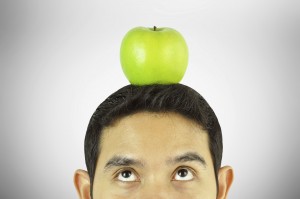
(153, 56)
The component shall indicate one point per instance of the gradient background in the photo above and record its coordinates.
(59, 60)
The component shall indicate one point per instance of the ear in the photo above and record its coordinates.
(225, 178)
(82, 184)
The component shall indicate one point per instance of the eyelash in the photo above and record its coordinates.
(183, 167)
(117, 173)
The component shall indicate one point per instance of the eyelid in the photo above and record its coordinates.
(119, 171)
(194, 173)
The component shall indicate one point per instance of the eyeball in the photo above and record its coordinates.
(183, 174)
(127, 176)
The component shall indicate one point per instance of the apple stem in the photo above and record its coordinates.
(154, 28)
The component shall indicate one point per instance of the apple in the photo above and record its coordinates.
(153, 56)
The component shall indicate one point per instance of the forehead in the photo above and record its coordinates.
(144, 134)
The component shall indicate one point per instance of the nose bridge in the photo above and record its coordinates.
(156, 188)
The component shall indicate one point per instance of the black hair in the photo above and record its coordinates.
(131, 99)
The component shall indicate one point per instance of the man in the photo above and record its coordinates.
(154, 141)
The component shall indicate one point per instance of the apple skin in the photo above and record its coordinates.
(153, 56)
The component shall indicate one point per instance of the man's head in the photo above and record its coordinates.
(154, 141)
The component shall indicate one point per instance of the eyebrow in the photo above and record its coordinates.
(188, 157)
(118, 161)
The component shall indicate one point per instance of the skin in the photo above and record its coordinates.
(154, 155)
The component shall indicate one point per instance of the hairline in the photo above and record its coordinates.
(118, 119)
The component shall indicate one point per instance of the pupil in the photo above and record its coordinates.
(182, 173)
(126, 174)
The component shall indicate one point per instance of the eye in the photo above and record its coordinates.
(183, 174)
(127, 176)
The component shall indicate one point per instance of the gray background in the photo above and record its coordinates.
(60, 59)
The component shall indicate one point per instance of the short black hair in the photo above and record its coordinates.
(130, 99)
